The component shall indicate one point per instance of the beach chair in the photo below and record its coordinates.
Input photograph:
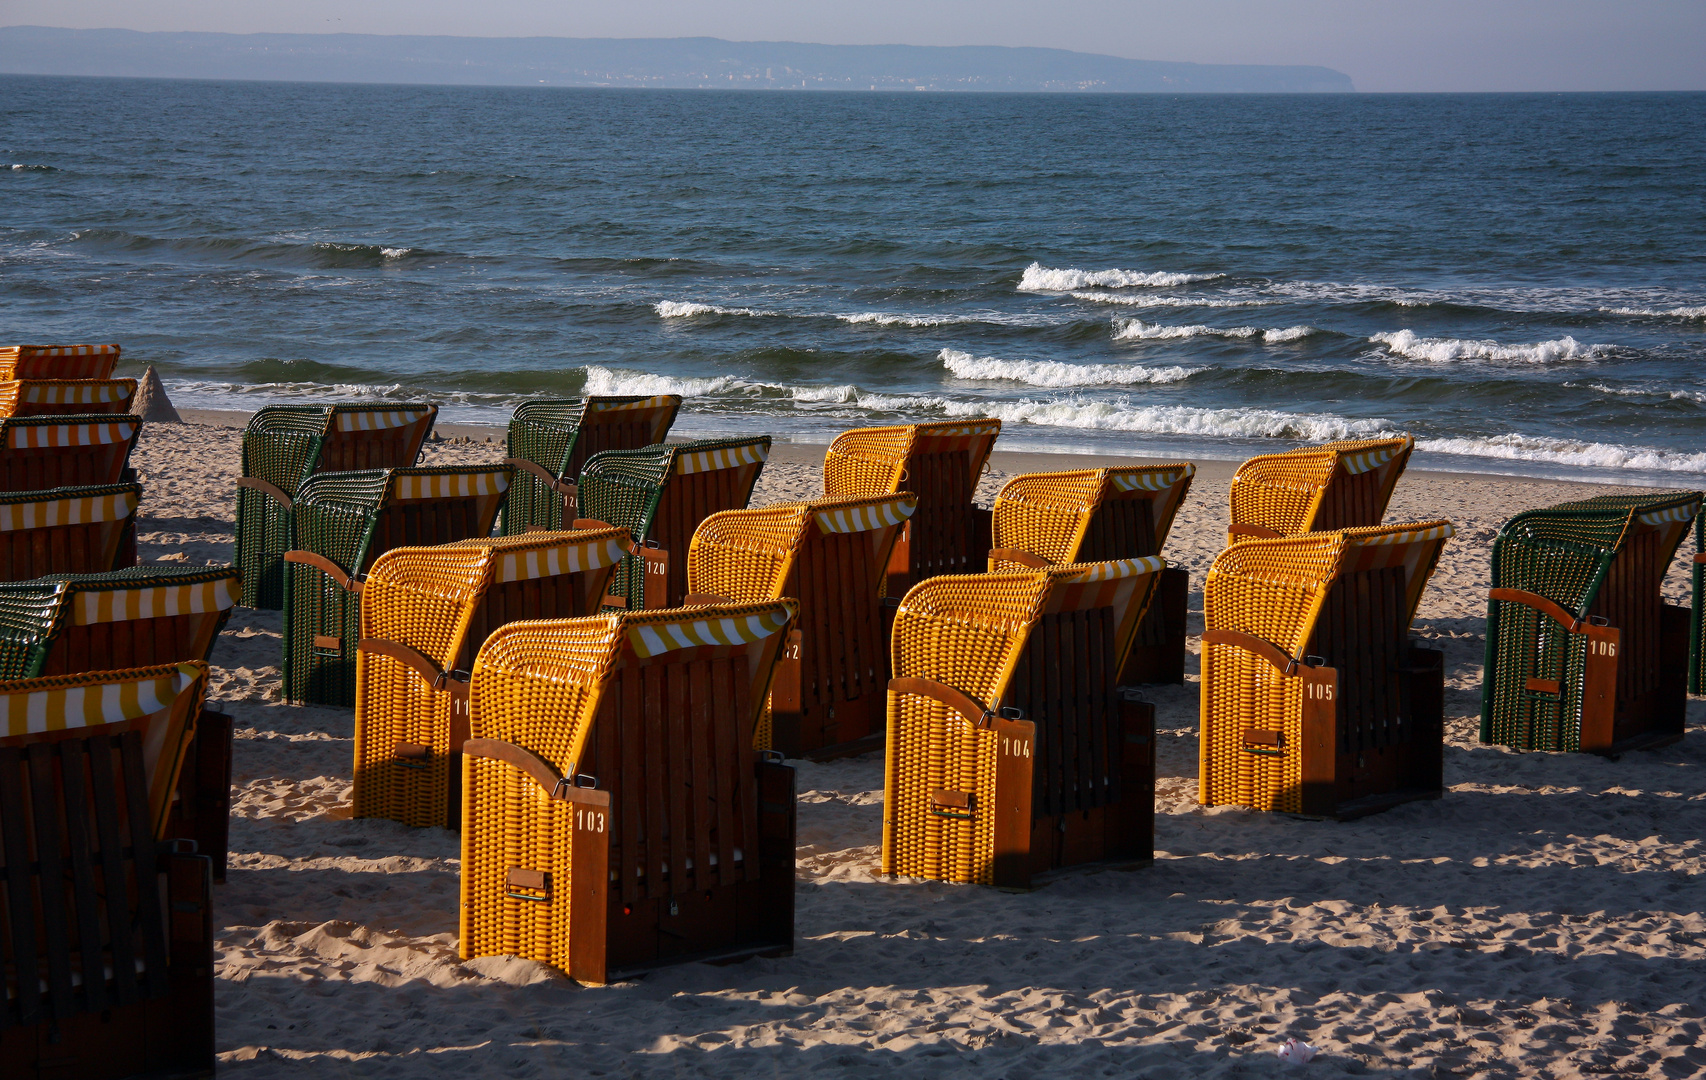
(1314, 699)
(424, 613)
(615, 817)
(39, 452)
(1091, 515)
(940, 463)
(550, 441)
(1582, 651)
(830, 691)
(67, 530)
(1337, 485)
(344, 521)
(1011, 749)
(286, 444)
(106, 939)
(57, 361)
(660, 495)
(64, 397)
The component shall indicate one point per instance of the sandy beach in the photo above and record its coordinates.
(1542, 919)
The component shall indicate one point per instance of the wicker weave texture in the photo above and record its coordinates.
(1089, 515)
(559, 437)
(1337, 485)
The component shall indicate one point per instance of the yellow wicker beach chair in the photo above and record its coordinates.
(1314, 698)
(615, 816)
(106, 942)
(68, 530)
(1011, 750)
(1337, 485)
(424, 613)
(58, 397)
(57, 361)
(40, 452)
(940, 463)
(550, 441)
(1090, 515)
(830, 692)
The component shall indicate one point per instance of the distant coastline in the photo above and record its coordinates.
(662, 63)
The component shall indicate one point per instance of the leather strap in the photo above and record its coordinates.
(967, 706)
(327, 567)
(543, 474)
(1023, 558)
(588, 523)
(704, 599)
(1260, 532)
(1548, 608)
(509, 753)
(403, 654)
(1281, 660)
(257, 484)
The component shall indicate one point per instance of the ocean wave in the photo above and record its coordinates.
(32, 168)
(1055, 373)
(678, 309)
(613, 382)
(879, 318)
(1407, 344)
(1569, 452)
(1140, 300)
(1659, 313)
(1138, 330)
(1641, 391)
(1040, 278)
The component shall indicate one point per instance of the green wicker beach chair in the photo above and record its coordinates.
(660, 495)
(344, 521)
(1582, 653)
(285, 445)
(550, 441)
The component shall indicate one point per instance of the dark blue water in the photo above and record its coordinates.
(1520, 281)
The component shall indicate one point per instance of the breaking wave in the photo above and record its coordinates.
(1039, 278)
(678, 309)
(615, 383)
(1660, 313)
(1569, 452)
(1140, 300)
(1407, 344)
(1138, 330)
(1054, 373)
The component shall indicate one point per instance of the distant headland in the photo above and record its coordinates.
(663, 63)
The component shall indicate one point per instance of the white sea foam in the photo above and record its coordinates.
(1141, 300)
(1056, 374)
(1642, 391)
(879, 318)
(1040, 278)
(1569, 452)
(1407, 344)
(613, 382)
(1138, 330)
(677, 309)
(1660, 313)
(847, 394)
(395, 253)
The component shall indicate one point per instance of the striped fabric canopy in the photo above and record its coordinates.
(27, 432)
(492, 481)
(602, 405)
(379, 419)
(1148, 478)
(73, 391)
(865, 515)
(115, 601)
(569, 556)
(650, 638)
(65, 707)
(50, 508)
(9, 352)
(722, 457)
(1361, 461)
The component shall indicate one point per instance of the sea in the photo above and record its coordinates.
(1519, 281)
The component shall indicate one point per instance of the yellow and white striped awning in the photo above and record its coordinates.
(58, 350)
(22, 436)
(1374, 457)
(378, 419)
(1438, 531)
(119, 603)
(1146, 478)
(606, 405)
(89, 706)
(1114, 569)
(726, 457)
(76, 391)
(649, 639)
(571, 557)
(79, 510)
(949, 430)
(1685, 512)
(867, 516)
(494, 481)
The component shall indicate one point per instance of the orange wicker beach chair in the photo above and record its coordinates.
(57, 361)
(286, 444)
(106, 943)
(1091, 515)
(1011, 750)
(424, 613)
(940, 463)
(39, 452)
(344, 521)
(68, 530)
(62, 397)
(1582, 651)
(660, 495)
(1314, 700)
(1337, 485)
(830, 693)
(550, 441)
(615, 816)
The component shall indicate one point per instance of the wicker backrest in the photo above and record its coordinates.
(1603, 557)
(1048, 642)
(1088, 515)
(559, 437)
(136, 617)
(443, 602)
(57, 361)
(60, 397)
(1347, 597)
(1337, 485)
(662, 493)
(67, 530)
(39, 452)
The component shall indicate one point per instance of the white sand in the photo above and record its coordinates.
(1543, 919)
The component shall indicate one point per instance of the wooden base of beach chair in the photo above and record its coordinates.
(201, 809)
(825, 733)
(1119, 831)
(936, 547)
(1658, 717)
(1352, 782)
(1158, 651)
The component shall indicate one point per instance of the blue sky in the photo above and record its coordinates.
(1384, 45)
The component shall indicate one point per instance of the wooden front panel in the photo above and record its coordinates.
(1120, 529)
(392, 448)
(1350, 501)
(37, 468)
(169, 639)
(1629, 600)
(1064, 683)
(559, 596)
(59, 549)
(686, 502)
(428, 522)
(601, 435)
(843, 650)
(1362, 632)
(942, 529)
